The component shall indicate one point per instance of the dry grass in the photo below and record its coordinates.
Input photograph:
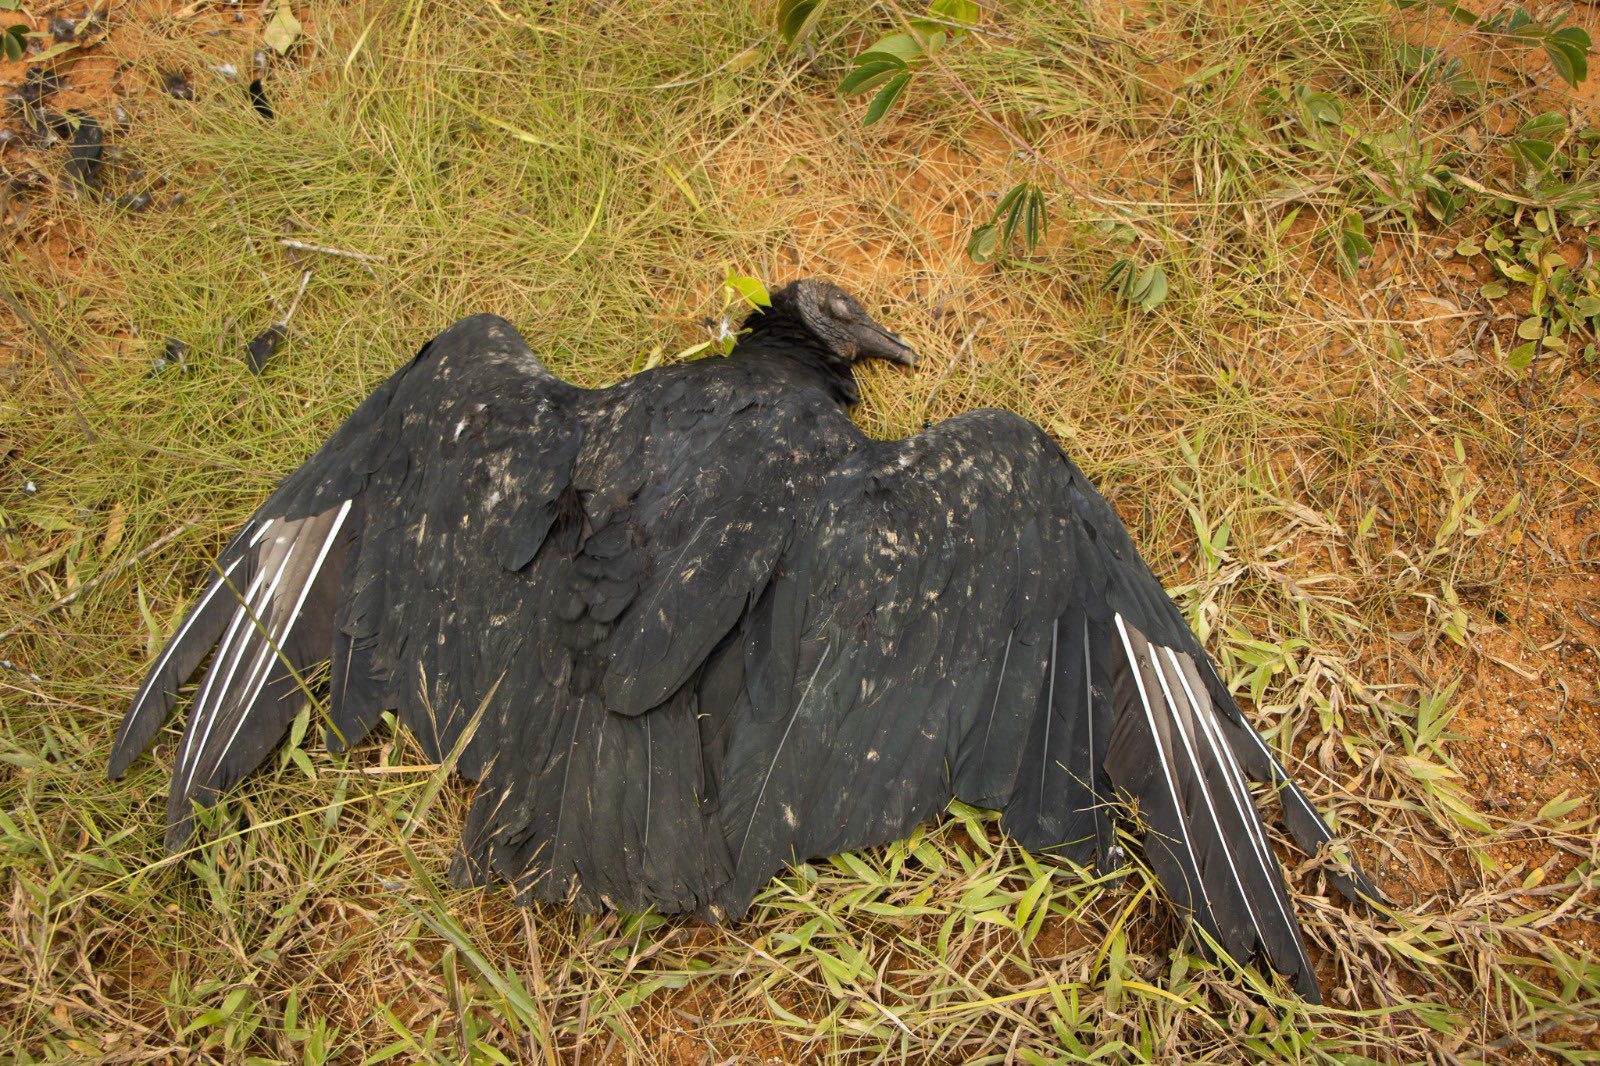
(1385, 531)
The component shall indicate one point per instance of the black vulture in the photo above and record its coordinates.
(707, 628)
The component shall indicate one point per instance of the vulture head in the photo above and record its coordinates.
(838, 322)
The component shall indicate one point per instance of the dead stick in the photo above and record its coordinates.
(360, 257)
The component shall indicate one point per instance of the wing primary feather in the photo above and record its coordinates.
(1205, 715)
(1161, 758)
(272, 645)
(251, 627)
(1049, 711)
(274, 639)
(233, 645)
(1203, 786)
(218, 582)
(213, 672)
(999, 684)
(799, 705)
(649, 780)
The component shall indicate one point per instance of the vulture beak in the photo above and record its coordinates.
(878, 343)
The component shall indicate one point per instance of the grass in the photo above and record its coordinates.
(1383, 524)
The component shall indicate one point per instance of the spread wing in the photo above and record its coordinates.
(394, 554)
(712, 631)
(967, 617)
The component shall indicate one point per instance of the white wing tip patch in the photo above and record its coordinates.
(1215, 773)
(257, 630)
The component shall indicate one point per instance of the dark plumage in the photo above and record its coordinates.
(710, 629)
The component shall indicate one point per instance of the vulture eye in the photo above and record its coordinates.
(839, 307)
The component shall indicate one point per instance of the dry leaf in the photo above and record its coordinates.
(283, 30)
(119, 518)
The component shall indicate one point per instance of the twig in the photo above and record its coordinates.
(94, 583)
(295, 303)
(360, 257)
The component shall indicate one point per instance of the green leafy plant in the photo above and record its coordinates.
(1534, 144)
(1566, 47)
(1022, 213)
(889, 65)
(748, 291)
(1568, 50)
(742, 293)
(1427, 64)
(1145, 287)
(1563, 313)
(796, 17)
(1318, 108)
(1351, 236)
(738, 293)
(15, 42)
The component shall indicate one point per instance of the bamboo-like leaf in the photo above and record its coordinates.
(886, 97)
(795, 18)
(869, 76)
(1038, 218)
(899, 47)
(1013, 206)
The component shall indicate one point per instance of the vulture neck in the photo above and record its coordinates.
(778, 340)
